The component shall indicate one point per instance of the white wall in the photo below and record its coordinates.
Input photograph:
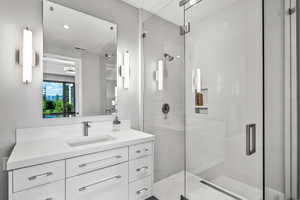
(21, 104)
(163, 37)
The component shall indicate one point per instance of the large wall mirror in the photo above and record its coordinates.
(80, 55)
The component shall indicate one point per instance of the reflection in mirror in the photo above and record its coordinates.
(79, 77)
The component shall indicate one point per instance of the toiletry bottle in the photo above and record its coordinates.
(198, 98)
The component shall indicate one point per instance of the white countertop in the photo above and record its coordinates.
(41, 151)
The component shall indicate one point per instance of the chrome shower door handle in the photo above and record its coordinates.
(250, 139)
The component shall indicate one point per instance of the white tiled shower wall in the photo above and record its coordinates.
(163, 37)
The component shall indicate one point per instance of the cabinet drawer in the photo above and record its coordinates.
(38, 175)
(109, 184)
(141, 189)
(95, 161)
(140, 150)
(140, 168)
(52, 191)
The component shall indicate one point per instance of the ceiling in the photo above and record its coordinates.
(166, 9)
(86, 32)
(170, 10)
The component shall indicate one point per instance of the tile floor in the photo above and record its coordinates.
(172, 187)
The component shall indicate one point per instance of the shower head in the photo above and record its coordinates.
(168, 57)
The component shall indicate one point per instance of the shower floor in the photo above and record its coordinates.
(172, 187)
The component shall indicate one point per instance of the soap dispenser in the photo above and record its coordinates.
(116, 124)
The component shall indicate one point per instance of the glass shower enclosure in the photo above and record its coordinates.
(224, 99)
(203, 99)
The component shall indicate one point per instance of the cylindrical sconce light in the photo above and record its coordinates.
(124, 70)
(27, 58)
(160, 75)
(196, 80)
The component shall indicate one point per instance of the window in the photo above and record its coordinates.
(58, 99)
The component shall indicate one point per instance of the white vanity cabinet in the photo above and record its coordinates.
(141, 171)
(123, 173)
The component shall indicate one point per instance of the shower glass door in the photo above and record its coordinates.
(224, 99)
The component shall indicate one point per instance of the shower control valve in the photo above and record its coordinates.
(165, 109)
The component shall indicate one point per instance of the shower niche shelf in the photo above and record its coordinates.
(203, 109)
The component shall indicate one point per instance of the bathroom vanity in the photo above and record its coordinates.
(89, 160)
(59, 163)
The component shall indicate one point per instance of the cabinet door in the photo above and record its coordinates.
(107, 184)
(53, 191)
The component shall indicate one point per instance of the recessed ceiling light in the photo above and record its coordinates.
(66, 26)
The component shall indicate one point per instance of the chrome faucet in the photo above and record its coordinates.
(86, 126)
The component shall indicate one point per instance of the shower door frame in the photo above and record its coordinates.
(290, 105)
(185, 29)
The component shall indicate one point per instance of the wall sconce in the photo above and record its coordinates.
(28, 60)
(159, 75)
(116, 94)
(125, 70)
(196, 85)
(27, 56)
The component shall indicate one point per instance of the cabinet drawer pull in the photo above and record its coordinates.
(142, 168)
(101, 160)
(142, 191)
(31, 178)
(146, 150)
(50, 198)
(99, 182)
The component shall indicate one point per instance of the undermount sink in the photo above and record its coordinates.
(90, 140)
